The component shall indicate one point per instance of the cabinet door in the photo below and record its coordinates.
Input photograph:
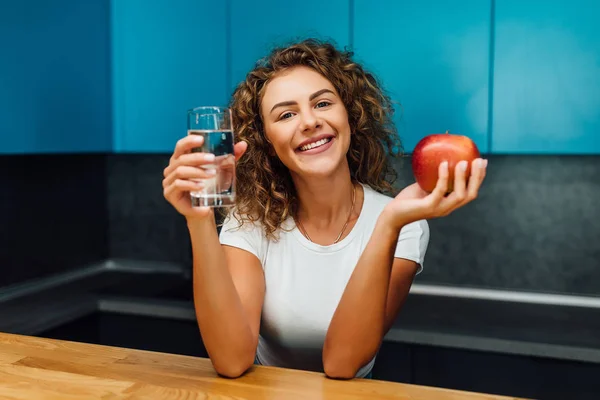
(256, 29)
(547, 77)
(432, 57)
(54, 77)
(393, 362)
(505, 374)
(168, 57)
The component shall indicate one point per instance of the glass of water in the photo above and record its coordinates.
(214, 124)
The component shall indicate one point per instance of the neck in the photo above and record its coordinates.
(324, 203)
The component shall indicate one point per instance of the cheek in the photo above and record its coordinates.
(278, 146)
(342, 122)
(281, 137)
(344, 127)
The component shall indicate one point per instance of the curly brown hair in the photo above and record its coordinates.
(265, 192)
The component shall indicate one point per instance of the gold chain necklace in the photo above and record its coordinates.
(303, 231)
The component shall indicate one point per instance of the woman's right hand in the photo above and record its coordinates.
(183, 172)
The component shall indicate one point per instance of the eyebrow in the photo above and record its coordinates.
(310, 98)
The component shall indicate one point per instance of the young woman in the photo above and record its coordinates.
(314, 262)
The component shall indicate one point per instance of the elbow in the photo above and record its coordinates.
(334, 371)
(339, 368)
(233, 368)
(341, 363)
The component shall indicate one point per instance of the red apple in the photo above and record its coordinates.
(434, 149)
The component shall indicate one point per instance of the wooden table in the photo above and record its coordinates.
(37, 368)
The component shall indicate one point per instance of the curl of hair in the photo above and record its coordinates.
(265, 192)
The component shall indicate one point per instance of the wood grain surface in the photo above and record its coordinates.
(37, 368)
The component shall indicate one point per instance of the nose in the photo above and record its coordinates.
(309, 121)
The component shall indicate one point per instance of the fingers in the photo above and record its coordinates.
(182, 154)
(190, 170)
(440, 205)
(459, 193)
(174, 190)
(463, 194)
(185, 172)
(441, 186)
(175, 193)
(460, 181)
(190, 159)
(478, 172)
(186, 144)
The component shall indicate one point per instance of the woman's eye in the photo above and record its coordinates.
(286, 115)
(322, 104)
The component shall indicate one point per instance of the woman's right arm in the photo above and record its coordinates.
(229, 290)
(228, 282)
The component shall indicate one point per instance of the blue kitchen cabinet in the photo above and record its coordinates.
(432, 57)
(546, 77)
(255, 30)
(54, 77)
(168, 56)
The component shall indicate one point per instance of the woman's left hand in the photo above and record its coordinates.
(413, 203)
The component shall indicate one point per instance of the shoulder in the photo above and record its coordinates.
(374, 202)
(374, 199)
(244, 233)
(234, 222)
(238, 226)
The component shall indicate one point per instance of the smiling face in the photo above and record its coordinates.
(306, 122)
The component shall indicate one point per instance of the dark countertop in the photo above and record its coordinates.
(164, 290)
(36, 306)
(563, 332)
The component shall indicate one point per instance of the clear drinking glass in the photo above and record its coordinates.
(214, 124)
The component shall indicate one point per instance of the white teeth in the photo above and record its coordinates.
(315, 144)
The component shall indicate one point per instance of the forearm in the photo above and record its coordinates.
(223, 324)
(358, 323)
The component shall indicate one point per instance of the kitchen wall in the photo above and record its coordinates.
(534, 226)
(55, 78)
(55, 115)
(519, 78)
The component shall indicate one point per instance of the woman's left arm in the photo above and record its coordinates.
(373, 296)
(380, 283)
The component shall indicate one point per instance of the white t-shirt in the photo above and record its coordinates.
(305, 281)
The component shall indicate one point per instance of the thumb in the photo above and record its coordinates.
(239, 149)
(413, 191)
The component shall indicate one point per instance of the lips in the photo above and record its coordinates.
(315, 142)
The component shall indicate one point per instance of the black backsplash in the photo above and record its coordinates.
(534, 227)
(142, 224)
(52, 214)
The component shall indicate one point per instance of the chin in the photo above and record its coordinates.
(321, 168)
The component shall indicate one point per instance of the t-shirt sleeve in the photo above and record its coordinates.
(412, 242)
(249, 236)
